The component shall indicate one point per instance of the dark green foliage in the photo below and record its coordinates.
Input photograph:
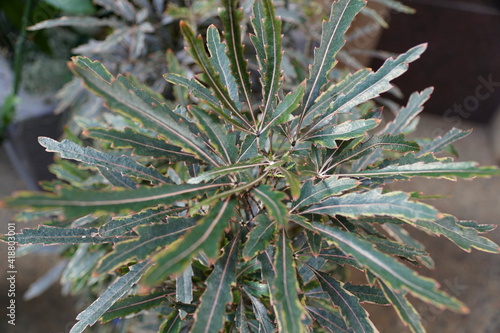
(240, 210)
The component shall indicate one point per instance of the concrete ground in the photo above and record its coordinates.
(473, 277)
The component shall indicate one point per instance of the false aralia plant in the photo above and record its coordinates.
(240, 209)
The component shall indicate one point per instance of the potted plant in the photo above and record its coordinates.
(241, 210)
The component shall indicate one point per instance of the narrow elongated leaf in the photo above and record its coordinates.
(323, 102)
(272, 202)
(354, 314)
(395, 249)
(197, 51)
(54, 235)
(184, 288)
(403, 120)
(441, 142)
(292, 181)
(330, 321)
(464, 237)
(123, 97)
(114, 292)
(172, 324)
(220, 138)
(259, 237)
(89, 155)
(78, 21)
(260, 311)
(332, 40)
(240, 319)
(78, 203)
(204, 236)
(282, 112)
(402, 236)
(272, 65)
(117, 179)
(404, 309)
(222, 171)
(373, 85)
(209, 317)
(151, 237)
(406, 115)
(372, 203)
(220, 62)
(290, 313)
(134, 304)
(231, 18)
(121, 225)
(394, 274)
(310, 193)
(142, 144)
(448, 170)
(366, 293)
(195, 87)
(345, 131)
(387, 142)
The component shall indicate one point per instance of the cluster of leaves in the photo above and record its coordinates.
(239, 210)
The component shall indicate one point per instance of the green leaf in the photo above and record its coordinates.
(326, 98)
(402, 236)
(209, 317)
(344, 131)
(151, 237)
(54, 235)
(134, 304)
(80, 7)
(240, 319)
(184, 288)
(448, 170)
(142, 144)
(373, 85)
(195, 87)
(441, 142)
(404, 309)
(123, 97)
(123, 164)
(366, 293)
(220, 138)
(259, 237)
(271, 69)
(387, 142)
(397, 276)
(372, 203)
(332, 40)
(121, 225)
(314, 240)
(406, 114)
(292, 181)
(75, 21)
(330, 321)
(282, 112)
(117, 179)
(310, 193)
(261, 313)
(231, 19)
(114, 292)
(226, 170)
(77, 203)
(220, 62)
(272, 201)
(354, 314)
(197, 51)
(204, 236)
(290, 313)
(464, 237)
(395, 249)
(172, 324)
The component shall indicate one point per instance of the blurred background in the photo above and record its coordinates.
(462, 63)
